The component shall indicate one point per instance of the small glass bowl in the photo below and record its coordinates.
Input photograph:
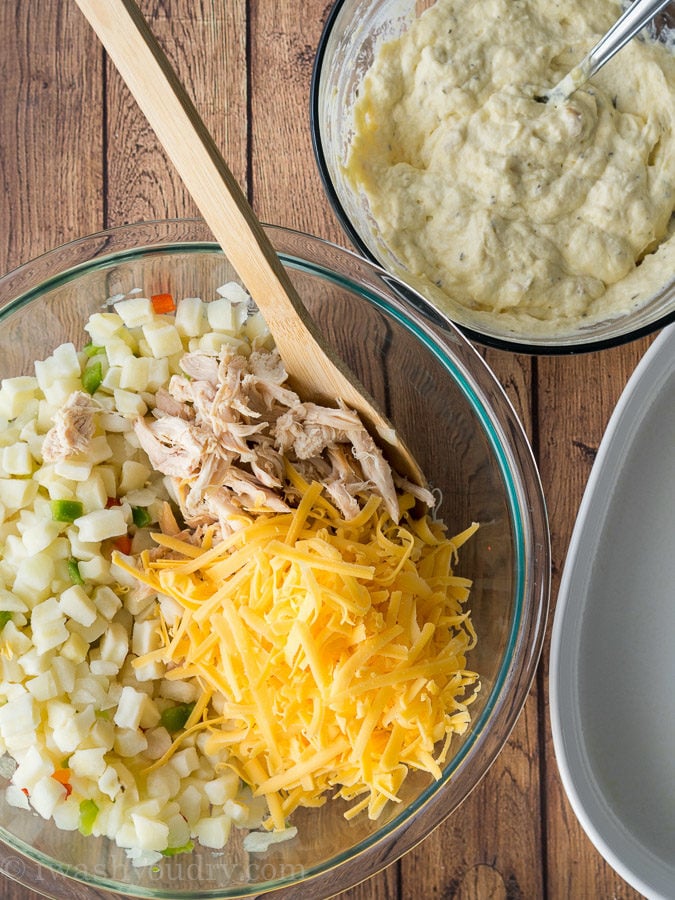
(450, 409)
(352, 34)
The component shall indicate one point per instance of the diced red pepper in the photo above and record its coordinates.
(63, 777)
(123, 544)
(163, 303)
(112, 501)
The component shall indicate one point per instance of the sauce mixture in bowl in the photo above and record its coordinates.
(544, 217)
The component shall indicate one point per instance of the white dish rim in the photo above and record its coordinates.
(650, 373)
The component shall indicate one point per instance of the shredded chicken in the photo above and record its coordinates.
(224, 427)
(72, 430)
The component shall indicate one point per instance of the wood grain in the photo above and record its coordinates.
(76, 155)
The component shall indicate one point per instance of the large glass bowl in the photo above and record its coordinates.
(459, 424)
(353, 32)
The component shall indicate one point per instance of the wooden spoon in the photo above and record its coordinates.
(314, 371)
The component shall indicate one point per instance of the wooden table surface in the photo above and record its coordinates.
(76, 156)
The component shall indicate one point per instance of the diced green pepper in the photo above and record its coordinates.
(140, 516)
(5, 617)
(88, 813)
(92, 377)
(74, 571)
(66, 510)
(173, 718)
(92, 349)
(174, 851)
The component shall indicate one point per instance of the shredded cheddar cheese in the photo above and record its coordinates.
(331, 653)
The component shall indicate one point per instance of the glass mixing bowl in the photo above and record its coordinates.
(353, 32)
(462, 429)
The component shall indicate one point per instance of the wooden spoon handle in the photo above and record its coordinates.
(315, 372)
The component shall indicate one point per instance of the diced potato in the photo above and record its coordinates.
(14, 641)
(213, 831)
(185, 761)
(179, 830)
(77, 470)
(130, 742)
(75, 648)
(34, 578)
(92, 492)
(89, 763)
(191, 317)
(151, 834)
(48, 625)
(233, 291)
(114, 645)
(64, 669)
(107, 475)
(163, 339)
(130, 708)
(222, 316)
(15, 393)
(99, 449)
(46, 795)
(17, 493)
(43, 687)
(78, 605)
(106, 600)
(134, 374)
(102, 327)
(19, 716)
(89, 691)
(82, 549)
(101, 524)
(114, 422)
(10, 602)
(16, 797)
(66, 814)
(129, 404)
(111, 379)
(181, 691)
(34, 663)
(146, 636)
(35, 763)
(61, 368)
(193, 803)
(256, 328)
(92, 632)
(135, 311)
(40, 535)
(158, 372)
(134, 476)
(223, 788)
(17, 459)
(57, 391)
(57, 487)
(214, 341)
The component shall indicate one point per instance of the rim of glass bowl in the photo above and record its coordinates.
(514, 345)
(526, 508)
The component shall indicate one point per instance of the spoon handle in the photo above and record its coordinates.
(315, 372)
(634, 19)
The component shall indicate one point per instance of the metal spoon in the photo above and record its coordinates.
(634, 19)
(314, 370)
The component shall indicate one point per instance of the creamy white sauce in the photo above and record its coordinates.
(543, 215)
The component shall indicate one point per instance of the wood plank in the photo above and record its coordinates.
(141, 182)
(492, 845)
(50, 159)
(287, 189)
(576, 398)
